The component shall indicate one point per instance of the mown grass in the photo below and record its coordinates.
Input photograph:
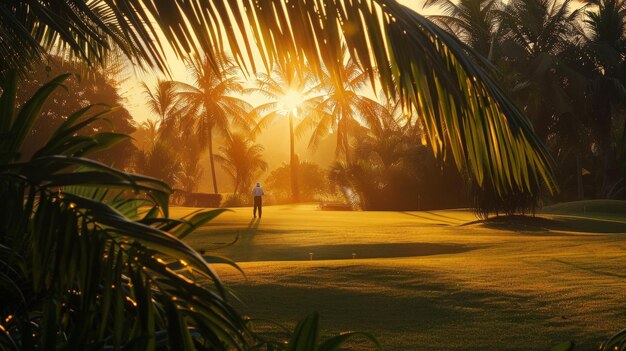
(430, 280)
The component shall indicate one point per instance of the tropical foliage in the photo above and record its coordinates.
(98, 86)
(166, 150)
(85, 249)
(392, 170)
(564, 66)
(466, 114)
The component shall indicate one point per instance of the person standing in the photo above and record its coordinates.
(258, 193)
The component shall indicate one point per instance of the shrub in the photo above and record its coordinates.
(198, 199)
(237, 200)
(312, 182)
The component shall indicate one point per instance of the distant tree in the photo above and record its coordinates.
(147, 134)
(393, 170)
(537, 33)
(215, 97)
(160, 161)
(242, 160)
(473, 21)
(190, 174)
(342, 105)
(163, 100)
(86, 88)
(172, 129)
(313, 182)
(606, 42)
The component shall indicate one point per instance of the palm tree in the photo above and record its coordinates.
(150, 132)
(242, 160)
(391, 136)
(291, 94)
(606, 43)
(212, 98)
(163, 100)
(341, 106)
(473, 21)
(538, 33)
(465, 112)
(160, 162)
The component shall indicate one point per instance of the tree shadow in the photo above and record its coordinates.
(437, 222)
(424, 312)
(556, 226)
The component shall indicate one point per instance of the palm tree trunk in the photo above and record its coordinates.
(293, 163)
(579, 177)
(346, 145)
(212, 161)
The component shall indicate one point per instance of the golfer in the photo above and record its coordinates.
(258, 193)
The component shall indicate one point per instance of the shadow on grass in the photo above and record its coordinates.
(425, 313)
(591, 269)
(557, 226)
(438, 221)
(248, 253)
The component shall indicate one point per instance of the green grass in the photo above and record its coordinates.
(430, 280)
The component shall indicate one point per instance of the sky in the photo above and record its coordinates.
(132, 90)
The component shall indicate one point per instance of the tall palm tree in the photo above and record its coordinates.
(473, 21)
(214, 99)
(242, 160)
(341, 107)
(606, 42)
(539, 33)
(164, 102)
(291, 93)
(465, 112)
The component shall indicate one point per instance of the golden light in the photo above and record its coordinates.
(291, 100)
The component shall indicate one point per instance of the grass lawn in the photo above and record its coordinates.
(431, 280)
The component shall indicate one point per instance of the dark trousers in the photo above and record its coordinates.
(258, 203)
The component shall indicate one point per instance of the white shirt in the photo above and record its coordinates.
(258, 191)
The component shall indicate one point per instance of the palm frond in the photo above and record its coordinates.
(467, 115)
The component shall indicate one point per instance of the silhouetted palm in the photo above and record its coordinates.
(473, 21)
(340, 108)
(213, 98)
(538, 33)
(281, 87)
(242, 160)
(606, 43)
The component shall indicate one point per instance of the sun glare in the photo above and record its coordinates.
(291, 100)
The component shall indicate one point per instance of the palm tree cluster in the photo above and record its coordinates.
(564, 63)
(188, 117)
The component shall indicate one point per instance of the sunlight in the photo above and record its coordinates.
(291, 100)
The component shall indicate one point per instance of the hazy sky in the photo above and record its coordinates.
(276, 147)
(132, 90)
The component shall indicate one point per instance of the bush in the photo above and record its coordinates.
(237, 200)
(415, 181)
(184, 198)
(312, 182)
